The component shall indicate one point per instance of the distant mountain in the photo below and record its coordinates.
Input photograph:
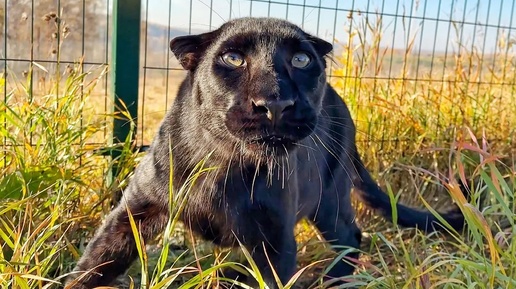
(159, 30)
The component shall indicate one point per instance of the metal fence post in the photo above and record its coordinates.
(125, 64)
(125, 67)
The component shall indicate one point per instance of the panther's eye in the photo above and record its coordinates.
(233, 59)
(301, 60)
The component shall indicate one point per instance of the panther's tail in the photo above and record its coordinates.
(375, 198)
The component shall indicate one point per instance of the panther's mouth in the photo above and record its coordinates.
(274, 140)
(271, 145)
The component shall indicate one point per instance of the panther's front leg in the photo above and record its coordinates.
(278, 254)
(113, 248)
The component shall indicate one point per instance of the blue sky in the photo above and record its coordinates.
(332, 23)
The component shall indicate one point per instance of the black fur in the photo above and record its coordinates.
(269, 174)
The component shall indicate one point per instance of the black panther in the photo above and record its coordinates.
(256, 100)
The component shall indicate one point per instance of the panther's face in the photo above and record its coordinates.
(256, 85)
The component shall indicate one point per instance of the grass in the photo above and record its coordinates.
(421, 138)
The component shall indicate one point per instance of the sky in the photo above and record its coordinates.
(331, 21)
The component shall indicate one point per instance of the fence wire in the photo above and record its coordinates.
(416, 45)
(42, 41)
(388, 54)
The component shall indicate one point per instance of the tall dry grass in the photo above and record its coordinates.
(415, 115)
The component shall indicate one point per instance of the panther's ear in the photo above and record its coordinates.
(321, 46)
(190, 49)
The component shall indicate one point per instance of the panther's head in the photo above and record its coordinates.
(256, 82)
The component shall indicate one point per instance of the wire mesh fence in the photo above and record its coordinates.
(43, 41)
(408, 69)
(436, 55)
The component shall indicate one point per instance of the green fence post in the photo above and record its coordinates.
(125, 63)
(125, 66)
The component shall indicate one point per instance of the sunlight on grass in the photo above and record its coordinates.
(411, 125)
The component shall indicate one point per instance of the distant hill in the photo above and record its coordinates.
(155, 30)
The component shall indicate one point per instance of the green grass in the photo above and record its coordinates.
(55, 186)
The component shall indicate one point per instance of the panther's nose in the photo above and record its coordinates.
(272, 108)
